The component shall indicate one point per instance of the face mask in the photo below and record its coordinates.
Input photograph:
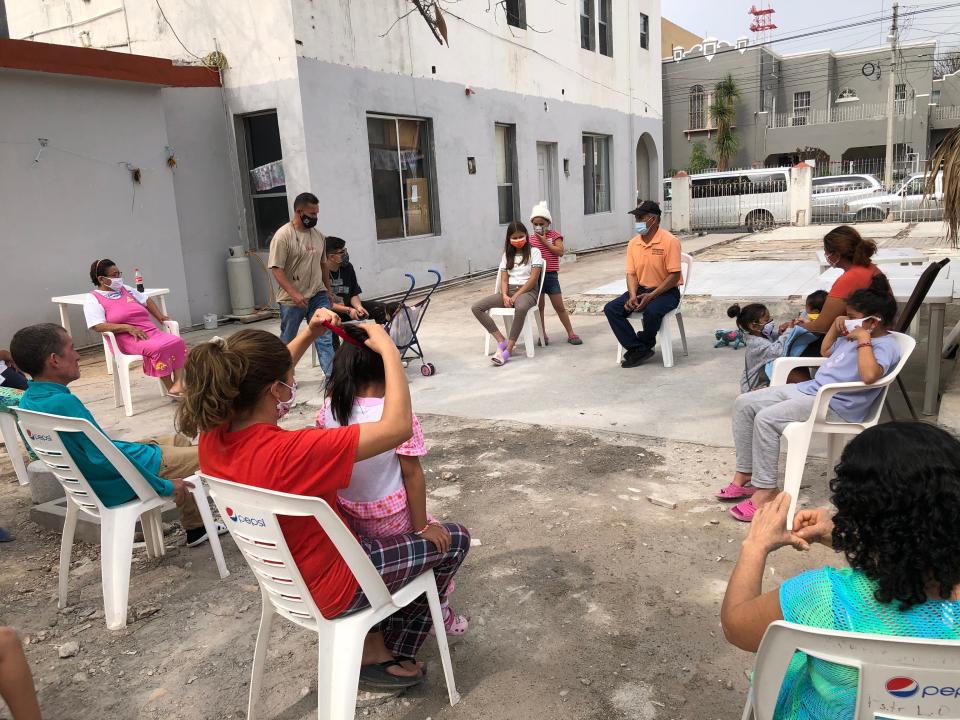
(640, 228)
(769, 330)
(851, 325)
(830, 262)
(539, 229)
(283, 406)
(116, 284)
(308, 222)
(518, 242)
(812, 316)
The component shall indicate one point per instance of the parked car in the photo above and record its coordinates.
(831, 193)
(755, 199)
(906, 203)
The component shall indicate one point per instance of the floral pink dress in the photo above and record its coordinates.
(162, 352)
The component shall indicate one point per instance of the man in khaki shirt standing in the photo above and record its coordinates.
(298, 260)
(653, 274)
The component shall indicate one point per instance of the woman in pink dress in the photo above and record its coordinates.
(124, 311)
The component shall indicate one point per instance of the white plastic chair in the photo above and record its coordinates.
(508, 314)
(119, 365)
(253, 523)
(116, 523)
(11, 439)
(799, 434)
(899, 677)
(665, 336)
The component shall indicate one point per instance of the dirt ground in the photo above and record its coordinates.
(586, 600)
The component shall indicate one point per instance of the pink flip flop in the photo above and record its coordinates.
(744, 511)
(735, 492)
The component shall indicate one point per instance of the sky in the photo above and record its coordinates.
(729, 19)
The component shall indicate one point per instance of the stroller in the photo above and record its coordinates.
(405, 322)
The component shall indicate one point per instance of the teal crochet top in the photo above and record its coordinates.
(844, 600)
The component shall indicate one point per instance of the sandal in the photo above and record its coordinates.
(455, 625)
(575, 340)
(735, 492)
(744, 511)
(376, 677)
(501, 357)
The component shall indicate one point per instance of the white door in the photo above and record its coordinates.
(547, 180)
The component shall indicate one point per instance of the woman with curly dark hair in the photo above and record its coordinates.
(897, 498)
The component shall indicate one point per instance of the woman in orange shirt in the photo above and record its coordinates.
(237, 391)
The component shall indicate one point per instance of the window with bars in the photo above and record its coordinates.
(506, 151)
(801, 107)
(266, 190)
(516, 13)
(604, 30)
(900, 98)
(644, 32)
(402, 167)
(596, 174)
(698, 108)
(588, 38)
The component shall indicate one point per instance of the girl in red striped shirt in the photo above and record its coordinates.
(550, 244)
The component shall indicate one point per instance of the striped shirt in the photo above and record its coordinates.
(552, 260)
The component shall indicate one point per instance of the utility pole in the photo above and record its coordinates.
(891, 91)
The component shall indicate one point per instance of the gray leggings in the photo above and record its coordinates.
(481, 310)
(759, 418)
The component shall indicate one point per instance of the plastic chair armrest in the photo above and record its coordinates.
(783, 366)
(172, 327)
(826, 392)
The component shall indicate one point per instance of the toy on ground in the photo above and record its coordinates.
(731, 338)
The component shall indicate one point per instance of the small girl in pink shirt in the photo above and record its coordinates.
(387, 493)
(550, 244)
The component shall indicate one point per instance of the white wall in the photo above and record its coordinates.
(485, 52)
(79, 202)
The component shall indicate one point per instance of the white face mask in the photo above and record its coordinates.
(116, 284)
(769, 330)
(539, 229)
(283, 406)
(851, 325)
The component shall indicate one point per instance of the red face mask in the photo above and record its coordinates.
(518, 242)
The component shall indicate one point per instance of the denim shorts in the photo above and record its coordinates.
(551, 283)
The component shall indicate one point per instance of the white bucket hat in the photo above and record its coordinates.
(541, 210)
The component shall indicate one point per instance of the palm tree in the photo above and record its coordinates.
(723, 112)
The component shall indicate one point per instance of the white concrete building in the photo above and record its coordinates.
(419, 153)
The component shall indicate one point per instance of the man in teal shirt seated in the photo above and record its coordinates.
(47, 354)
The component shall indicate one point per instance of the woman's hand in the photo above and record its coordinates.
(180, 490)
(839, 325)
(814, 526)
(507, 301)
(378, 340)
(768, 530)
(321, 316)
(136, 332)
(438, 535)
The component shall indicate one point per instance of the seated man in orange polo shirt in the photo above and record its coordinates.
(653, 274)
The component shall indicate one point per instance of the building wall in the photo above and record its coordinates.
(204, 186)
(78, 203)
(471, 237)
(672, 35)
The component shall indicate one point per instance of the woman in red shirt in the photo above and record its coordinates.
(845, 249)
(237, 391)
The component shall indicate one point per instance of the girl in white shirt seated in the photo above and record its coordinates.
(520, 269)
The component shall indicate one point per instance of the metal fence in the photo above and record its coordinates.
(756, 202)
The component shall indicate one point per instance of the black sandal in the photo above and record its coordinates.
(376, 677)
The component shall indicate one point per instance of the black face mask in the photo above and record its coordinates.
(308, 222)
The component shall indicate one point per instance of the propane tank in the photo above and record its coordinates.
(239, 281)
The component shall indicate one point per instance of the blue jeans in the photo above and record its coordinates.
(652, 318)
(292, 315)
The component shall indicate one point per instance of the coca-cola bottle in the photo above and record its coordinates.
(138, 279)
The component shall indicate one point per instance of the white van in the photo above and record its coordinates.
(755, 199)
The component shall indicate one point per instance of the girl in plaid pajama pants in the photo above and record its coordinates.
(238, 390)
(387, 493)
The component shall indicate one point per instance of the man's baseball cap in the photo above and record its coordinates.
(647, 207)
